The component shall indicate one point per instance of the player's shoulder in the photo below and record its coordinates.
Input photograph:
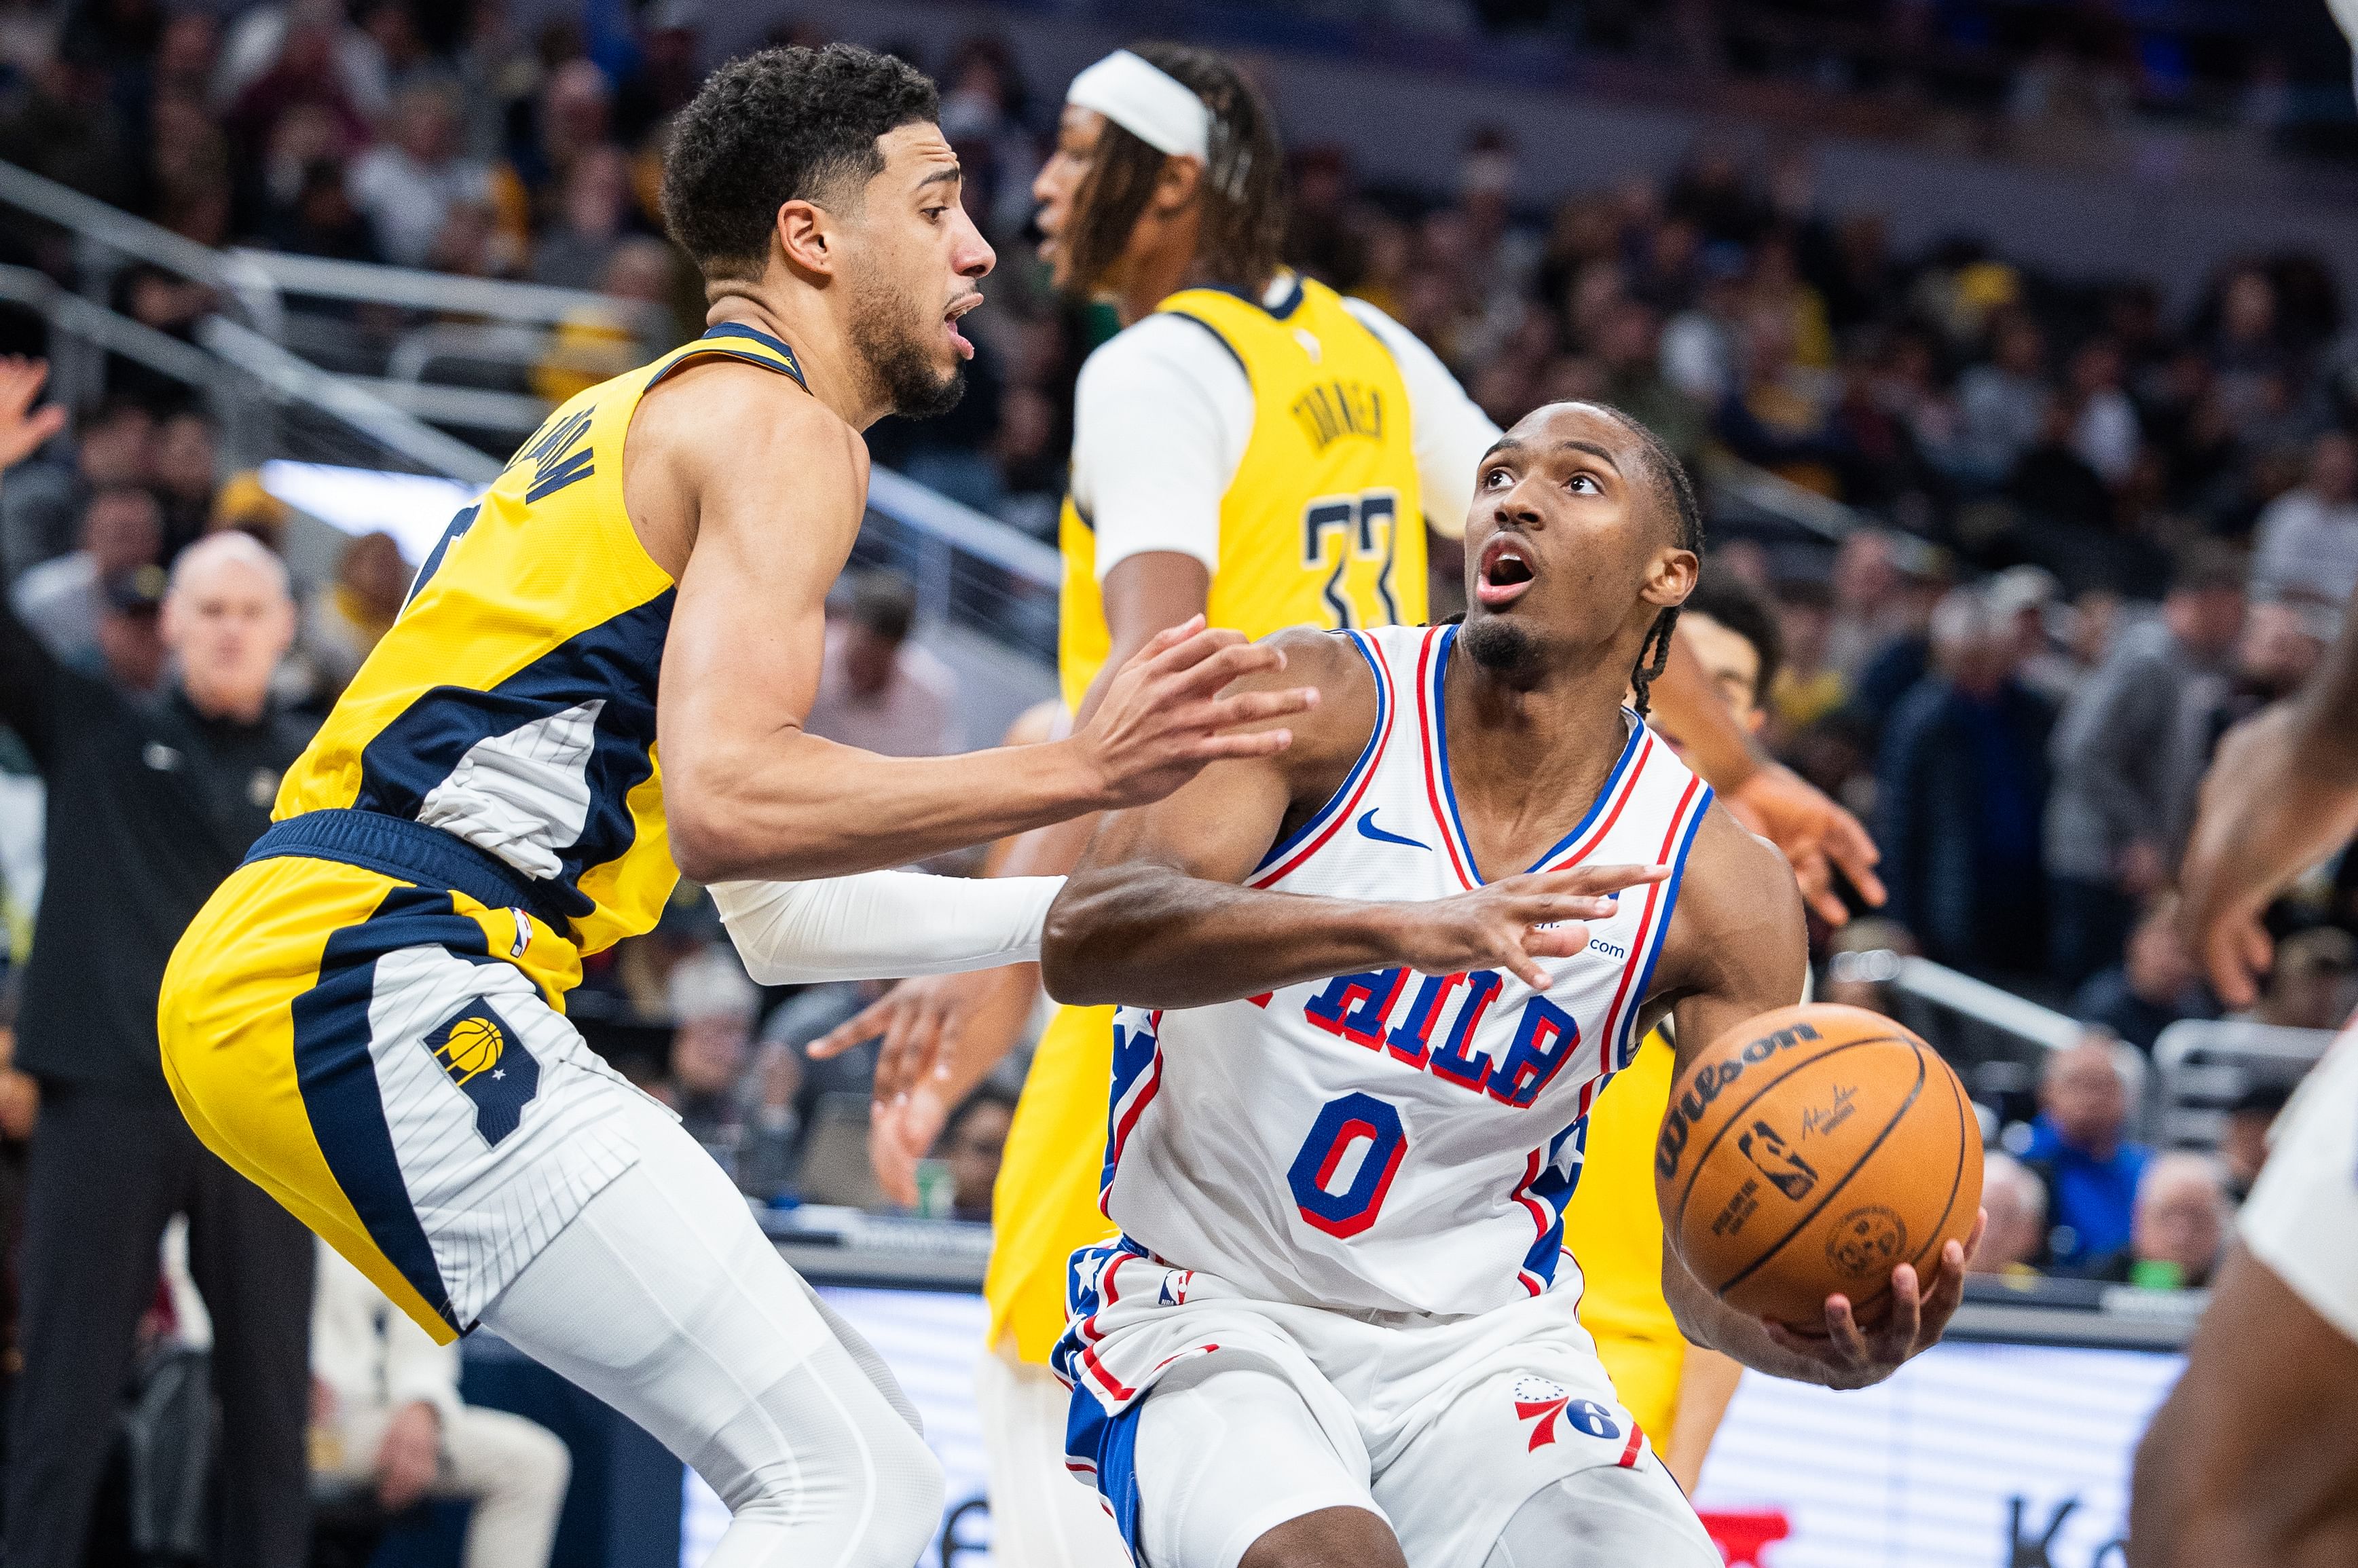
(719, 413)
(1332, 663)
(1735, 889)
(1160, 351)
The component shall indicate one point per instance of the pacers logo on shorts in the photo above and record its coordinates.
(489, 1064)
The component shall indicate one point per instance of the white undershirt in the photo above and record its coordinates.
(1163, 413)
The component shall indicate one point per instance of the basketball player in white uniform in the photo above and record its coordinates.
(1350, 1070)
(2253, 1459)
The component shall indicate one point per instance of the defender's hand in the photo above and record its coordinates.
(24, 429)
(1815, 835)
(2264, 819)
(1514, 923)
(1164, 717)
(1846, 1356)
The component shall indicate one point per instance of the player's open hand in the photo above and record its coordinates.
(1816, 835)
(1514, 923)
(1849, 1357)
(1167, 712)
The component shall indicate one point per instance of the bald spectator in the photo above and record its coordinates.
(877, 691)
(153, 800)
(2015, 1241)
(2081, 1150)
(2180, 1226)
(60, 601)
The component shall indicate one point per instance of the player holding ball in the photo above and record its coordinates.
(1351, 1070)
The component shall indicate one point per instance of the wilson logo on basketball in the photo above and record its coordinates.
(1677, 1125)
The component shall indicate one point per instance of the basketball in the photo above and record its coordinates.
(1810, 1152)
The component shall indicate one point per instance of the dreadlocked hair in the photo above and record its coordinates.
(1243, 231)
(1674, 491)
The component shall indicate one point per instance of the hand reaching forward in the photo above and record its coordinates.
(1164, 717)
(1816, 835)
(1513, 923)
(23, 428)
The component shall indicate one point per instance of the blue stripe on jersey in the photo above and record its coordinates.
(617, 661)
(1554, 1188)
(337, 1074)
(1456, 826)
(1350, 781)
(1134, 1059)
(1627, 1046)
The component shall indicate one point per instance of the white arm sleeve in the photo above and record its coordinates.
(1161, 417)
(1449, 432)
(884, 926)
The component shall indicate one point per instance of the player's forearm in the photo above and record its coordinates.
(797, 808)
(1150, 936)
(1716, 746)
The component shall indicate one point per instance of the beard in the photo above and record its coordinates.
(895, 341)
(1504, 649)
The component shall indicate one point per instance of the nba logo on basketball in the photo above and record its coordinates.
(480, 1054)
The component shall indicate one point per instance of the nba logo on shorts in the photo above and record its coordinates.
(490, 1067)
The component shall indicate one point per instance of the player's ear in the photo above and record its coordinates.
(1672, 576)
(1176, 186)
(804, 234)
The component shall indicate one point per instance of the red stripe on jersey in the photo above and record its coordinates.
(1389, 700)
(1636, 958)
(1628, 788)
(1432, 783)
(1629, 1460)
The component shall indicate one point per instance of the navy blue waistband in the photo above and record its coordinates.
(396, 847)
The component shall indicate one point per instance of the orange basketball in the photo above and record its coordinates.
(1809, 1153)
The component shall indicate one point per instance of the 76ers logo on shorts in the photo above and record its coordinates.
(1544, 1404)
(490, 1065)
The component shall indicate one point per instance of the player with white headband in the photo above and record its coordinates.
(1257, 448)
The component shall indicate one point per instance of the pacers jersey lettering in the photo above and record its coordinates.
(513, 703)
(1323, 524)
(1389, 1141)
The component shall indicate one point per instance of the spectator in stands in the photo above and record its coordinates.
(61, 600)
(2154, 986)
(2124, 751)
(131, 652)
(747, 1120)
(63, 126)
(2015, 1241)
(386, 1414)
(2307, 537)
(344, 619)
(589, 223)
(151, 803)
(2079, 1149)
(186, 477)
(312, 66)
(2313, 982)
(2105, 431)
(42, 503)
(406, 184)
(2243, 1137)
(2002, 405)
(971, 1144)
(1962, 782)
(2179, 1226)
(876, 691)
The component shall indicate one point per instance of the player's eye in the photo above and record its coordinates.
(1585, 484)
(1490, 480)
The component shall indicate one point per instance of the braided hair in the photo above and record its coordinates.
(1675, 492)
(1243, 231)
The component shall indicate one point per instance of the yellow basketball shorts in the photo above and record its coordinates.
(387, 1060)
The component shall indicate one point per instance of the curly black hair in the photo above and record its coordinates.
(776, 126)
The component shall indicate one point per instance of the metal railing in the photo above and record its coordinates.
(2203, 1066)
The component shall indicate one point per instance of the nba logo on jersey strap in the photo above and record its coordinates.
(489, 1064)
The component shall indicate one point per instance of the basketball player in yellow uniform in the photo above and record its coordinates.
(366, 1019)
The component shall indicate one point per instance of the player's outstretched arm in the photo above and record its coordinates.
(2281, 795)
(1738, 948)
(1154, 915)
(777, 492)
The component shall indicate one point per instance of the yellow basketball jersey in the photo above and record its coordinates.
(512, 704)
(1323, 525)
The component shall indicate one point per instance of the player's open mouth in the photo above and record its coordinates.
(1507, 570)
(950, 320)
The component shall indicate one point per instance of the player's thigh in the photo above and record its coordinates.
(1604, 1517)
(1228, 1450)
(1508, 1441)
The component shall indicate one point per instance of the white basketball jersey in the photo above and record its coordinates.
(1391, 1141)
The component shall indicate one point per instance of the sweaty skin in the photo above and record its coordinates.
(749, 492)
(1154, 915)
